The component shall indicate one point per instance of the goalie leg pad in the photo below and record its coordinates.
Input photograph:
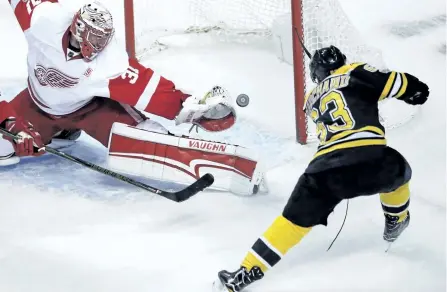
(177, 159)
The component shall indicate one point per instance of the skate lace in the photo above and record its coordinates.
(243, 278)
(392, 224)
(391, 221)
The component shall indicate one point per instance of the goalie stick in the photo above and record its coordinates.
(179, 196)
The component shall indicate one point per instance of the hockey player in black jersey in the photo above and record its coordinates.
(352, 159)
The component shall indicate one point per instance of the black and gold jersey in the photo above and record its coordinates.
(344, 108)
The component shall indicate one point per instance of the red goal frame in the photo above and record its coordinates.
(298, 60)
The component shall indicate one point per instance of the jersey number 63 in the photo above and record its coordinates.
(341, 117)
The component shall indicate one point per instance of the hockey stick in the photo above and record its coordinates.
(180, 196)
(302, 44)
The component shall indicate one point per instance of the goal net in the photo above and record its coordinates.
(149, 23)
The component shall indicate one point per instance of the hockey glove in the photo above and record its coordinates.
(213, 112)
(28, 142)
(417, 91)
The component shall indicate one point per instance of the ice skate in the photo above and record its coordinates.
(393, 228)
(238, 280)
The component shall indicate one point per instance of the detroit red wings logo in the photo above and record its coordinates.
(54, 78)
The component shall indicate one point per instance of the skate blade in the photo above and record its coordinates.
(218, 286)
(388, 246)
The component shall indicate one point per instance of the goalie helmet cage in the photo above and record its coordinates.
(319, 23)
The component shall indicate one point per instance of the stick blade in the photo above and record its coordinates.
(198, 186)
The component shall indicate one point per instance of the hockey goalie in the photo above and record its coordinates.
(81, 79)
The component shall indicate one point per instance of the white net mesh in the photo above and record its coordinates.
(230, 19)
(324, 23)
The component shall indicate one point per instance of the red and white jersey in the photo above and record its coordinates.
(6, 111)
(60, 81)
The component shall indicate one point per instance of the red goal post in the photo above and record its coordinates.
(129, 19)
(299, 72)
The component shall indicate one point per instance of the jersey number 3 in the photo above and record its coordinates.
(132, 74)
(341, 116)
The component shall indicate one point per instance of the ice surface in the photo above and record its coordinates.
(63, 228)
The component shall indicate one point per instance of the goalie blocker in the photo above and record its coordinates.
(177, 159)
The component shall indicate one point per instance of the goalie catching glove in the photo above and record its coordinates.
(214, 112)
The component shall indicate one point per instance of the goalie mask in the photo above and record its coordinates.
(92, 26)
(324, 61)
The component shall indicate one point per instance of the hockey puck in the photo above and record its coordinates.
(242, 100)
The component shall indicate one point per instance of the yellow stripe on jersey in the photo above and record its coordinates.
(346, 133)
(306, 97)
(404, 85)
(351, 144)
(388, 86)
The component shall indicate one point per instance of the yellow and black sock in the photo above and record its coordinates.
(396, 203)
(268, 250)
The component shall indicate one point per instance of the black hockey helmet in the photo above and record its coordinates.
(324, 61)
